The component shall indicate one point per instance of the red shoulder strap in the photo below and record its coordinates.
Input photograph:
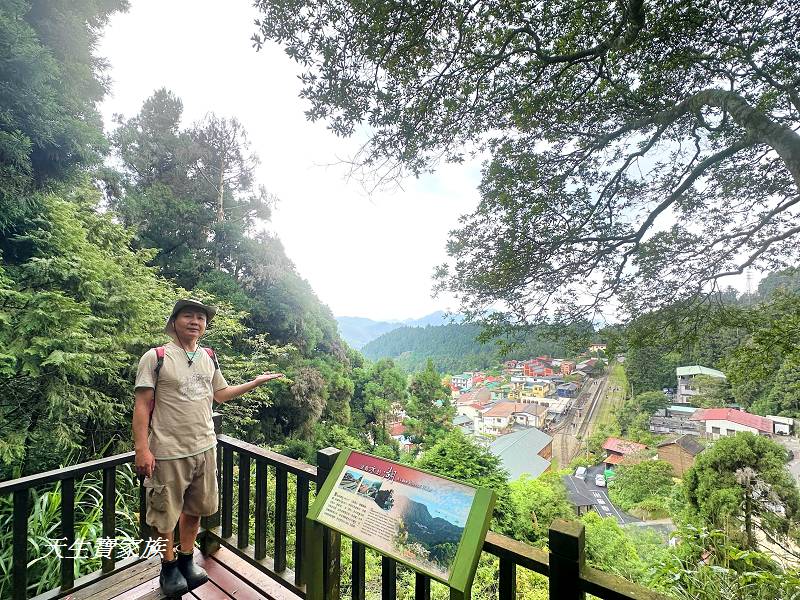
(213, 356)
(159, 363)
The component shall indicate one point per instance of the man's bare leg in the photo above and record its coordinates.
(195, 575)
(189, 525)
(169, 551)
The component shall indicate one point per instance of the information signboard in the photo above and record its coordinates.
(432, 524)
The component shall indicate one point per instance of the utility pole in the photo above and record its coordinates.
(748, 276)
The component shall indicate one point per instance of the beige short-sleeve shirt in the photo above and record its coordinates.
(181, 424)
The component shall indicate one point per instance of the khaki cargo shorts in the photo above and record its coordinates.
(178, 485)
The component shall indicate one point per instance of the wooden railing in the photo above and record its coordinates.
(218, 530)
(20, 488)
(569, 576)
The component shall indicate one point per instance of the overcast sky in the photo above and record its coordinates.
(364, 256)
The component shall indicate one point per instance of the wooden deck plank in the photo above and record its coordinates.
(255, 578)
(120, 582)
(230, 577)
(211, 591)
(147, 590)
(230, 580)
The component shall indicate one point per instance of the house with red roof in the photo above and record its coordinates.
(729, 421)
(398, 431)
(537, 367)
(619, 449)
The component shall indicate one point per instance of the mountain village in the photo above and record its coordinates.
(536, 416)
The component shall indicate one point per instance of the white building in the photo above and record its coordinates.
(531, 415)
(686, 384)
(462, 381)
(783, 425)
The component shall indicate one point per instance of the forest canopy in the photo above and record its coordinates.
(640, 152)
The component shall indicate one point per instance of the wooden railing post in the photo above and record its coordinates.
(109, 513)
(227, 492)
(508, 579)
(388, 578)
(331, 541)
(68, 533)
(567, 559)
(301, 540)
(422, 587)
(208, 544)
(243, 518)
(260, 518)
(359, 569)
(281, 519)
(19, 553)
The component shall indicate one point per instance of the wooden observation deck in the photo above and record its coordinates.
(238, 563)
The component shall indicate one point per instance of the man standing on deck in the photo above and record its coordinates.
(178, 457)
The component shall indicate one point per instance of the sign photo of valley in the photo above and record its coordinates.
(424, 539)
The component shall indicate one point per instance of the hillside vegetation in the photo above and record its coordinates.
(93, 257)
(452, 348)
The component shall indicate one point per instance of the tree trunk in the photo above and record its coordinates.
(748, 518)
(221, 193)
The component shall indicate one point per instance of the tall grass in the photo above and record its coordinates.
(44, 528)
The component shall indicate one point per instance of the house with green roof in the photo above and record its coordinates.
(687, 386)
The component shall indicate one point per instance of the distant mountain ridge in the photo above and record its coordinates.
(453, 348)
(424, 527)
(359, 331)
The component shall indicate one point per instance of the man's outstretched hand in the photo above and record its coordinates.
(265, 377)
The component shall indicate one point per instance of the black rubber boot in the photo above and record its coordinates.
(195, 576)
(171, 580)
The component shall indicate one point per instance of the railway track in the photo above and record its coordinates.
(578, 419)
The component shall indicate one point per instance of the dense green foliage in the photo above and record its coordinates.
(453, 348)
(429, 410)
(635, 413)
(708, 566)
(763, 370)
(93, 257)
(79, 307)
(539, 502)
(753, 339)
(741, 483)
(646, 484)
(50, 128)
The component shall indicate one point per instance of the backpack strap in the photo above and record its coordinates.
(213, 356)
(159, 363)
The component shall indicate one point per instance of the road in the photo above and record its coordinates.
(602, 503)
(793, 444)
(578, 422)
